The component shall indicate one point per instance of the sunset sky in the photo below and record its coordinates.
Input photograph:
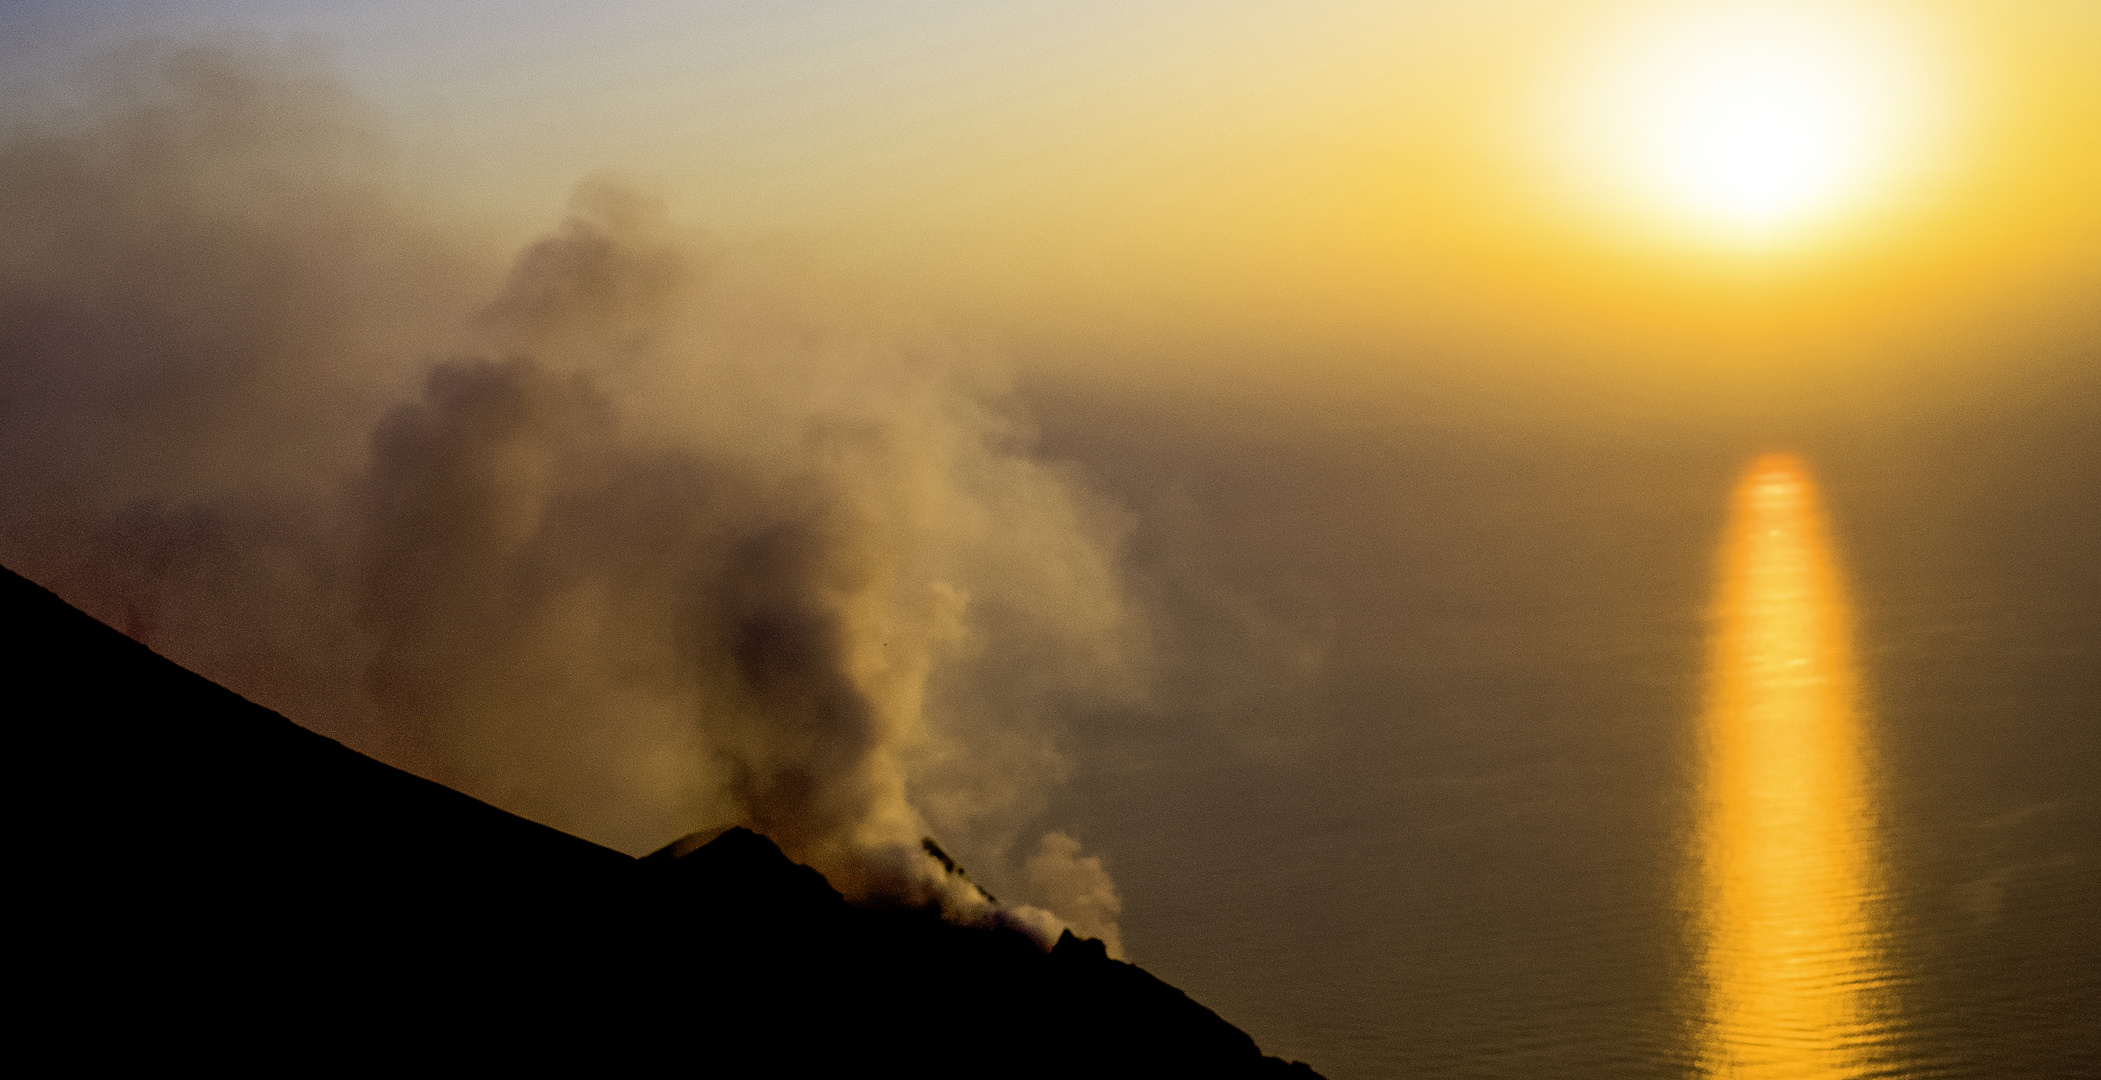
(1338, 196)
(1205, 462)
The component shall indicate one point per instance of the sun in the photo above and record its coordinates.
(1748, 120)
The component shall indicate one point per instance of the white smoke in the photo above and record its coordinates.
(1077, 887)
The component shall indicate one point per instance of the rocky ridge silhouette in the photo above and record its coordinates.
(208, 881)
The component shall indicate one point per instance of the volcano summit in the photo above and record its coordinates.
(209, 881)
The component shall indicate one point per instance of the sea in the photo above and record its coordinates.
(1436, 778)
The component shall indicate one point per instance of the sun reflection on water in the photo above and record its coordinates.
(1789, 882)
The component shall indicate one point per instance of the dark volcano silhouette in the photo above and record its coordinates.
(207, 881)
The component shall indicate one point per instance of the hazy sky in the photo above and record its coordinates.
(1124, 440)
(1348, 189)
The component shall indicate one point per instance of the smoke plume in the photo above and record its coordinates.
(629, 536)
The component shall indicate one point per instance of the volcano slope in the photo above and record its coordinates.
(206, 880)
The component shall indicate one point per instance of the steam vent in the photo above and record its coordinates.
(207, 881)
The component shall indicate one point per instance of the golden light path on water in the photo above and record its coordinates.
(1789, 882)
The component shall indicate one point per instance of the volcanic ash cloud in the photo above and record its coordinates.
(628, 537)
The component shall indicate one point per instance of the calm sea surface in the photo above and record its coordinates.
(1441, 779)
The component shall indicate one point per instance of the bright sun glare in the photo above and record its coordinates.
(1749, 120)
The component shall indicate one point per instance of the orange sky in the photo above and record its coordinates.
(1329, 198)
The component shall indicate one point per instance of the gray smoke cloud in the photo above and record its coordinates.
(635, 535)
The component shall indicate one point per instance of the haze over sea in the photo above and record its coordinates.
(1431, 805)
